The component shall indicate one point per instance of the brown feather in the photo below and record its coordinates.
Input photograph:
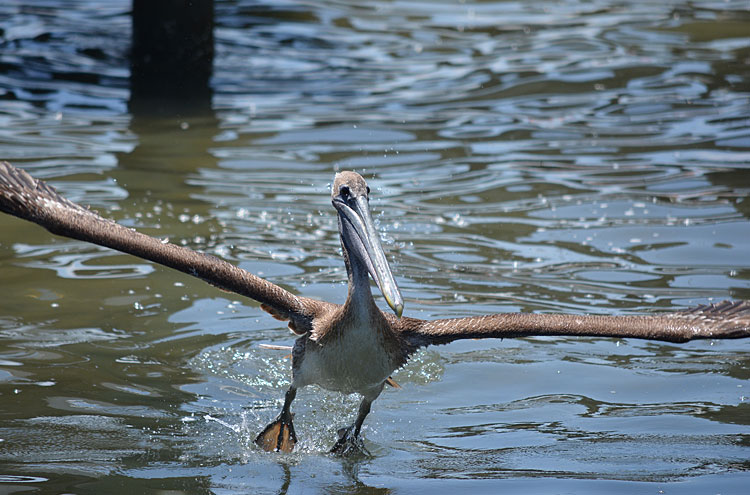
(724, 320)
(25, 197)
(31, 199)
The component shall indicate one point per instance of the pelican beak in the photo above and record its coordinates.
(362, 240)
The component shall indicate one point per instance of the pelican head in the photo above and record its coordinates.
(350, 197)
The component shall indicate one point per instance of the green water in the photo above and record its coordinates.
(548, 156)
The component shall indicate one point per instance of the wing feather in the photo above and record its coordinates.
(724, 320)
(30, 199)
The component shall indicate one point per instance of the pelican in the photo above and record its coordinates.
(353, 347)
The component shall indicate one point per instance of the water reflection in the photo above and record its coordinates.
(576, 156)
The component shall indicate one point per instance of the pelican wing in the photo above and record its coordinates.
(25, 197)
(724, 320)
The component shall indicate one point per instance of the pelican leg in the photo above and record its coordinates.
(279, 436)
(349, 441)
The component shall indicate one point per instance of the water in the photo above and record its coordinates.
(524, 156)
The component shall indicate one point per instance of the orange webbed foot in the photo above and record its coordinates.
(279, 436)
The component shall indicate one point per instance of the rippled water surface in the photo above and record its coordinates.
(575, 156)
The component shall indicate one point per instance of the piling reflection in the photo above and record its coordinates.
(548, 156)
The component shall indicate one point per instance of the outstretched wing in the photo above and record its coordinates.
(724, 320)
(25, 197)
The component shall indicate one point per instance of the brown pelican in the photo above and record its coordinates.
(352, 347)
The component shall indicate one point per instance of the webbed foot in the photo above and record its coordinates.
(279, 436)
(349, 443)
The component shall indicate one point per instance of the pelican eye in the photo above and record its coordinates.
(368, 190)
(344, 192)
